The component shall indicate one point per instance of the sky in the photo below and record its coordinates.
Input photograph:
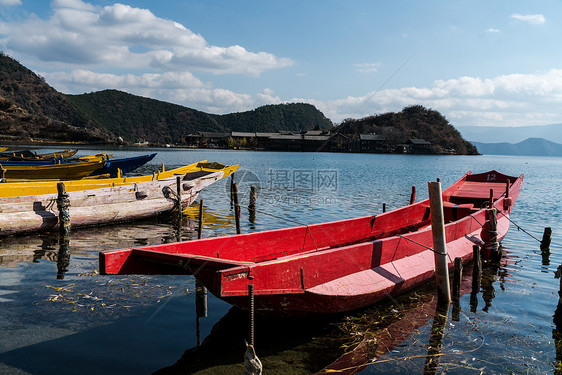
(477, 62)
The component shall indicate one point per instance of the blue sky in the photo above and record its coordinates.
(494, 63)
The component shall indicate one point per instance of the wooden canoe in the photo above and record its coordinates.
(63, 171)
(123, 165)
(30, 155)
(331, 267)
(105, 204)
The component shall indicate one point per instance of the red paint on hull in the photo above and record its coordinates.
(330, 267)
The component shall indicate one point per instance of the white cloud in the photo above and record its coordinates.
(533, 19)
(80, 35)
(508, 100)
(367, 67)
(10, 2)
(492, 30)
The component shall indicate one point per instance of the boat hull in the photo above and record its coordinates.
(332, 267)
(103, 205)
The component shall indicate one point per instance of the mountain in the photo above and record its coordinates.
(413, 122)
(30, 108)
(135, 118)
(530, 146)
(511, 134)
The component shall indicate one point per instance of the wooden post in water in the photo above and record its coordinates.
(476, 276)
(232, 190)
(178, 192)
(200, 227)
(236, 207)
(457, 279)
(490, 232)
(252, 204)
(63, 205)
(383, 208)
(439, 241)
(546, 237)
(63, 256)
(413, 195)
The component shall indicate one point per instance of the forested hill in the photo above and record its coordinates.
(137, 118)
(31, 110)
(413, 122)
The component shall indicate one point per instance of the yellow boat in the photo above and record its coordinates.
(63, 171)
(30, 155)
(16, 189)
(32, 206)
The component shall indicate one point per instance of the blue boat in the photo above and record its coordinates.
(126, 165)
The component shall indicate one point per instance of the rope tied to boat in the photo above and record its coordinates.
(425, 246)
(519, 227)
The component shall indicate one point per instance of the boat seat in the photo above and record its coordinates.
(453, 212)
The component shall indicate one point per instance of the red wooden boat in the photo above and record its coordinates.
(331, 267)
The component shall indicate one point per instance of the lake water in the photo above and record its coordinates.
(59, 316)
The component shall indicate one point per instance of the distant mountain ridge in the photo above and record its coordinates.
(511, 134)
(528, 147)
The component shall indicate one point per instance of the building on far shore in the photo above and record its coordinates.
(305, 141)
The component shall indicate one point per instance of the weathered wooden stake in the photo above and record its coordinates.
(439, 241)
(63, 205)
(457, 277)
(490, 232)
(200, 227)
(178, 192)
(546, 237)
(413, 195)
(232, 190)
(383, 208)
(476, 276)
(252, 204)
(236, 207)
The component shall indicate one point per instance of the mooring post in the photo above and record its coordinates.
(232, 190)
(236, 207)
(63, 205)
(490, 233)
(413, 195)
(200, 227)
(546, 237)
(439, 241)
(2, 174)
(476, 276)
(383, 208)
(252, 204)
(178, 193)
(63, 256)
(457, 279)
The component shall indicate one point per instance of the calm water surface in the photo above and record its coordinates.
(59, 316)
